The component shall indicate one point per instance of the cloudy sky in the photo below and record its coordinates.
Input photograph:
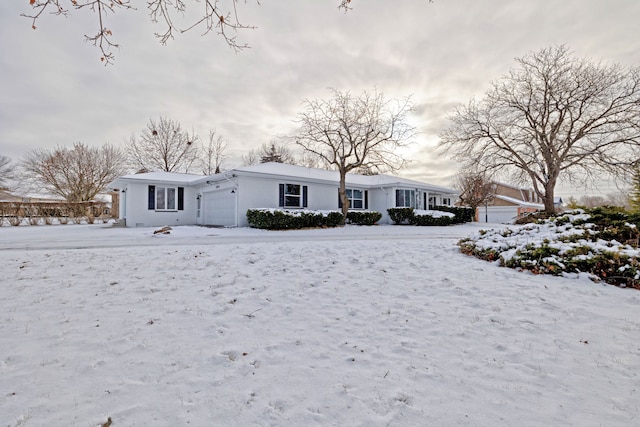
(55, 91)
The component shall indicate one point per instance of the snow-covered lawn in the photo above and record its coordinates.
(361, 326)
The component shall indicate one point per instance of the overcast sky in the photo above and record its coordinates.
(55, 91)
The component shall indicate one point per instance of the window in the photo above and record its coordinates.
(358, 199)
(446, 201)
(293, 196)
(405, 198)
(432, 202)
(166, 198)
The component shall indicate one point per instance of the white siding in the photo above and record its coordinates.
(137, 214)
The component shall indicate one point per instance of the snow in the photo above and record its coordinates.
(432, 213)
(385, 325)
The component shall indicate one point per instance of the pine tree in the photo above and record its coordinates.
(634, 197)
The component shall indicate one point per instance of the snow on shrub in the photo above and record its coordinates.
(568, 245)
(287, 219)
(426, 217)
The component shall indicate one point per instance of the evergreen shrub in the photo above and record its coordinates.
(272, 219)
(363, 218)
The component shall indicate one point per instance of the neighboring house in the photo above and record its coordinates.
(508, 203)
(164, 198)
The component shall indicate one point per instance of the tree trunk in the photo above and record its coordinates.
(549, 190)
(342, 191)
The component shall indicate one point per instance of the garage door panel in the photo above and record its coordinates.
(220, 208)
(498, 214)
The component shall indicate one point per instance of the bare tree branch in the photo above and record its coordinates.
(224, 20)
(164, 146)
(554, 115)
(7, 171)
(351, 133)
(214, 154)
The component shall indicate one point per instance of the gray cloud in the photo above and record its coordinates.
(56, 91)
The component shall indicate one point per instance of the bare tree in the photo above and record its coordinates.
(251, 157)
(554, 115)
(77, 174)
(214, 154)
(350, 133)
(219, 16)
(164, 146)
(475, 188)
(278, 153)
(7, 171)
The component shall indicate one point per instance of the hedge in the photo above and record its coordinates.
(363, 218)
(408, 216)
(273, 219)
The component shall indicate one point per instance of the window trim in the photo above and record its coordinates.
(178, 198)
(412, 198)
(302, 196)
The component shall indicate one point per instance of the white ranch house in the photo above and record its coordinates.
(163, 198)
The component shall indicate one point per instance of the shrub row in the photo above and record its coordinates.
(408, 216)
(35, 213)
(272, 219)
(363, 217)
(275, 219)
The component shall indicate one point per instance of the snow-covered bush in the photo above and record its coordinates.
(363, 217)
(284, 219)
(570, 244)
(422, 217)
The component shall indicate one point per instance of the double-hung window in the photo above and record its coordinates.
(166, 198)
(358, 199)
(405, 198)
(293, 196)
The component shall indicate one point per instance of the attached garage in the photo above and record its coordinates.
(497, 214)
(220, 208)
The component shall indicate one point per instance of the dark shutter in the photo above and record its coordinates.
(180, 198)
(366, 199)
(304, 196)
(339, 200)
(152, 197)
(281, 195)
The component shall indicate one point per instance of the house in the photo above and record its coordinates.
(164, 198)
(508, 202)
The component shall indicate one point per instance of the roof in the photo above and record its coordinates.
(281, 170)
(313, 174)
(164, 177)
(519, 202)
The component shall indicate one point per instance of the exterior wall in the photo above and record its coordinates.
(514, 193)
(264, 193)
(500, 202)
(136, 213)
(524, 194)
(380, 200)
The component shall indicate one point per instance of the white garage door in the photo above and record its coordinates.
(220, 208)
(498, 214)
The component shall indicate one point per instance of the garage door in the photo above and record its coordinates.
(220, 208)
(498, 214)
